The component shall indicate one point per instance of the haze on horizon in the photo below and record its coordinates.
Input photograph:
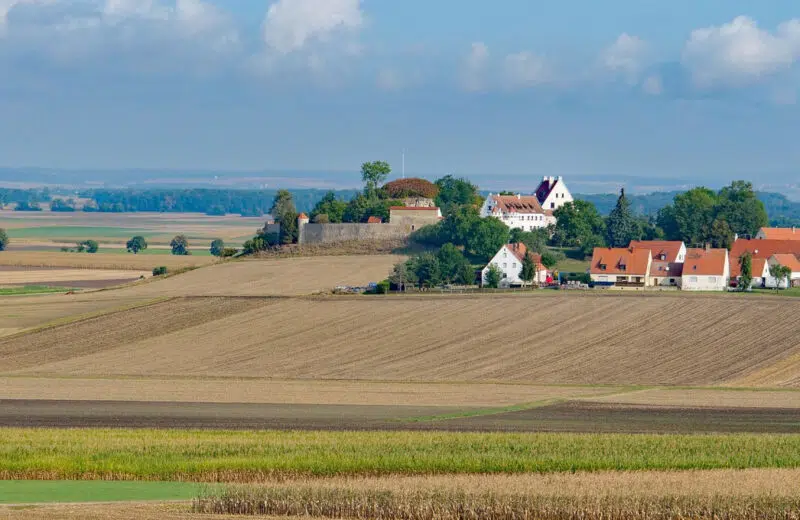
(659, 90)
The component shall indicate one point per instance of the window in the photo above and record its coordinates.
(672, 281)
(505, 254)
(505, 276)
(693, 279)
(603, 267)
(712, 279)
(514, 265)
(505, 265)
(552, 205)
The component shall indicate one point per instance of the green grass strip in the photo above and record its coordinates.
(59, 491)
(240, 456)
(31, 289)
(483, 412)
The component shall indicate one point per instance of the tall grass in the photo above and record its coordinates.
(491, 505)
(252, 456)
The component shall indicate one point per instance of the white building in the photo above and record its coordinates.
(552, 193)
(667, 264)
(529, 212)
(706, 270)
(509, 261)
(787, 260)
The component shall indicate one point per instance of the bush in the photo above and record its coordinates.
(229, 252)
(383, 287)
(90, 246)
(413, 187)
(160, 271)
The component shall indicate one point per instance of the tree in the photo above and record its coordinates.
(455, 192)
(427, 269)
(721, 235)
(487, 236)
(575, 222)
(621, 225)
(284, 211)
(374, 174)
(403, 274)
(136, 244)
(690, 217)
(411, 187)
(739, 206)
(218, 247)
(528, 273)
(549, 260)
(332, 208)
(4, 240)
(780, 273)
(180, 245)
(453, 266)
(90, 246)
(493, 277)
(746, 265)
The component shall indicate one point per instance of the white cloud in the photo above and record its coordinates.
(291, 24)
(627, 56)
(475, 67)
(740, 52)
(525, 69)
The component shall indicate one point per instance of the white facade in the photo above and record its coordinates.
(707, 282)
(514, 219)
(511, 267)
(558, 194)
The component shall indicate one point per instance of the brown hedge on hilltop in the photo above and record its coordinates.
(412, 187)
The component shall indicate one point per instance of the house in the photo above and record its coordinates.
(552, 193)
(767, 233)
(760, 249)
(509, 261)
(621, 267)
(414, 218)
(790, 261)
(667, 261)
(760, 272)
(374, 220)
(517, 211)
(706, 270)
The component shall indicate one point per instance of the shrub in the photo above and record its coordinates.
(383, 287)
(412, 187)
(160, 271)
(229, 252)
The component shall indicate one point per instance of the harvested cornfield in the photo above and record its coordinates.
(561, 339)
(100, 260)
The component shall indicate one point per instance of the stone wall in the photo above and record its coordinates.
(333, 233)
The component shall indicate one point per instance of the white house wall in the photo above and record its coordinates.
(511, 267)
(558, 197)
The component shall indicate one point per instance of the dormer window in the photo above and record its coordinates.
(603, 267)
(663, 256)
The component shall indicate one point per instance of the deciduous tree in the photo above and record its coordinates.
(180, 245)
(4, 240)
(528, 273)
(746, 277)
(136, 244)
(493, 277)
(781, 273)
(374, 174)
(218, 247)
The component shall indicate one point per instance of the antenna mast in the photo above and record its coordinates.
(404, 163)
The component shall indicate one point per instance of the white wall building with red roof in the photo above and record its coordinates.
(529, 212)
(509, 261)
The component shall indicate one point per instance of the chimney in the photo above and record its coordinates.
(519, 196)
(736, 237)
(708, 247)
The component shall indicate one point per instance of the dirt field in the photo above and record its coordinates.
(100, 260)
(107, 512)
(75, 278)
(351, 393)
(434, 339)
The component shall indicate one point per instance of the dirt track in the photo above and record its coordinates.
(567, 417)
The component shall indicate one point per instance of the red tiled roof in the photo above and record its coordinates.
(790, 261)
(759, 265)
(771, 233)
(517, 204)
(634, 261)
(763, 249)
(519, 250)
(658, 247)
(302, 216)
(374, 220)
(705, 262)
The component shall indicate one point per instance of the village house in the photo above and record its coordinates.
(529, 212)
(621, 267)
(767, 233)
(792, 262)
(509, 260)
(706, 270)
(760, 249)
(667, 261)
(760, 272)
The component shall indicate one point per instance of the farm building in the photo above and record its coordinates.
(621, 267)
(706, 270)
(667, 261)
(509, 261)
(790, 261)
(414, 218)
(766, 233)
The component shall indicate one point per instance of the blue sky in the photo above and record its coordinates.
(685, 89)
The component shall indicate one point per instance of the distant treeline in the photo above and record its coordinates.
(782, 211)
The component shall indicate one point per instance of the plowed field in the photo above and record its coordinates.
(562, 339)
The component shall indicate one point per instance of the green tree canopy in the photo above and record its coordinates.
(180, 245)
(486, 237)
(284, 211)
(427, 270)
(217, 247)
(455, 192)
(493, 277)
(576, 222)
(690, 217)
(622, 225)
(454, 266)
(528, 273)
(4, 240)
(739, 206)
(781, 273)
(374, 174)
(90, 246)
(136, 244)
(746, 265)
(330, 206)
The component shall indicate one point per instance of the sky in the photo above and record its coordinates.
(680, 89)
